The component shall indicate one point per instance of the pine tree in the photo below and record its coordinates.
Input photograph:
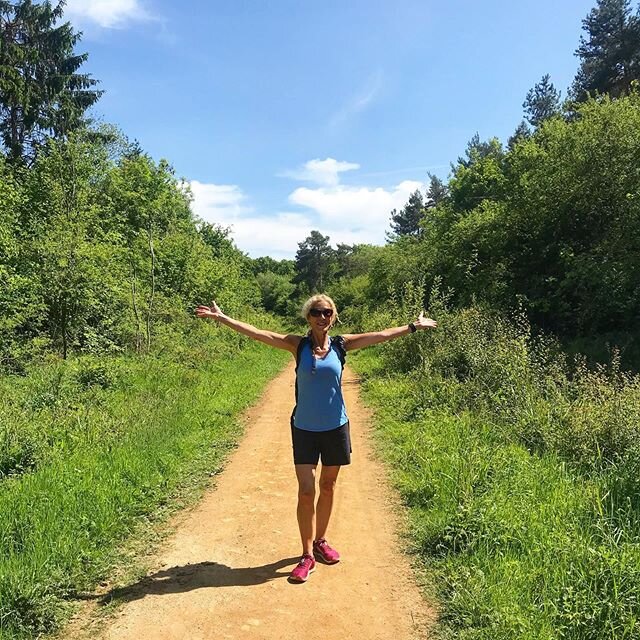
(542, 102)
(406, 222)
(610, 53)
(477, 150)
(522, 132)
(437, 191)
(41, 93)
(314, 260)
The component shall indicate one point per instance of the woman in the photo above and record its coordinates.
(319, 424)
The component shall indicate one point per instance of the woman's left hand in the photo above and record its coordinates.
(425, 323)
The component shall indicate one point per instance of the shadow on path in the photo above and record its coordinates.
(188, 577)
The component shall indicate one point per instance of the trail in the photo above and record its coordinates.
(223, 573)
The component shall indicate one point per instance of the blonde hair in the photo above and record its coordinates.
(320, 297)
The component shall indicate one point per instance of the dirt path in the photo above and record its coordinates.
(223, 574)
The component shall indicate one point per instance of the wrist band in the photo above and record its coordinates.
(412, 327)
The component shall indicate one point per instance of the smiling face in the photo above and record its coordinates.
(320, 312)
(320, 316)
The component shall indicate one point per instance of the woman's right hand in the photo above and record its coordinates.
(213, 311)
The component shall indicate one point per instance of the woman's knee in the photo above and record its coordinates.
(327, 485)
(306, 492)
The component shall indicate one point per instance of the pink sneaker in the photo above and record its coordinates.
(322, 549)
(302, 570)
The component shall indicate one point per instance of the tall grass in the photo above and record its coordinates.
(520, 469)
(89, 447)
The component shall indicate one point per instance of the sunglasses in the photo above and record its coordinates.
(316, 313)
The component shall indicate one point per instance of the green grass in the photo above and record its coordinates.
(515, 543)
(87, 458)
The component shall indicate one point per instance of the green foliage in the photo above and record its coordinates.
(550, 224)
(573, 212)
(352, 288)
(542, 102)
(100, 252)
(482, 362)
(520, 470)
(266, 264)
(101, 444)
(64, 246)
(351, 297)
(218, 239)
(437, 191)
(392, 266)
(406, 222)
(610, 51)
(19, 305)
(275, 280)
(314, 262)
(479, 176)
(276, 291)
(41, 92)
(522, 132)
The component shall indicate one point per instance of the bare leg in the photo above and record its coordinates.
(306, 474)
(328, 477)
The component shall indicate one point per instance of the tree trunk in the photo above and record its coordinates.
(134, 301)
(153, 284)
(63, 317)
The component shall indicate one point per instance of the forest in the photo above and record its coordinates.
(514, 428)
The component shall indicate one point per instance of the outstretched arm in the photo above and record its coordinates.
(273, 339)
(360, 340)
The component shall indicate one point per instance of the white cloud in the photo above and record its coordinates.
(218, 202)
(107, 13)
(324, 172)
(355, 208)
(226, 205)
(347, 214)
(277, 236)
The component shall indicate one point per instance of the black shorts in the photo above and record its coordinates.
(332, 447)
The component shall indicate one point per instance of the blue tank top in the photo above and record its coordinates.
(320, 405)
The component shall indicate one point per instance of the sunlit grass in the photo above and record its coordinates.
(91, 447)
(520, 537)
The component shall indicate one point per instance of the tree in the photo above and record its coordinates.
(437, 191)
(610, 52)
(406, 222)
(266, 264)
(20, 303)
(479, 176)
(314, 260)
(41, 93)
(67, 245)
(574, 238)
(148, 204)
(276, 291)
(542, 102)
(343, 256)
(477, 150)
(522, 132)
(218, 238)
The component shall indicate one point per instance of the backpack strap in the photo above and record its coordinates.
(304, 340)
(338, 343)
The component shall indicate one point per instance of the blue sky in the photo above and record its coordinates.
(290, 116)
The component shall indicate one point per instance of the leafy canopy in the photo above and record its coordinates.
(41, 92)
